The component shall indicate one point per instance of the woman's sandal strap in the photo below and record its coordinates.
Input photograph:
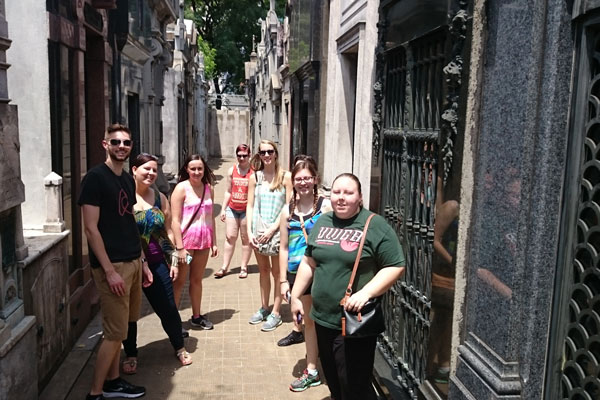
(131, 363)
(187, 359)
(221, 273)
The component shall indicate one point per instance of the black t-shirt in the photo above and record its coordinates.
(115, 195)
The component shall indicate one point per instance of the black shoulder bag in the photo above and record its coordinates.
(369, 320)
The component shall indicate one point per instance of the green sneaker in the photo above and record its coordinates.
(305, 381)
(273, 321)
(259, 316)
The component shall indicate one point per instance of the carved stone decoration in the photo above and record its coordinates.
(166, 57)
(453, 78)
(11, 293)
(408, 96)
(156, 47)
(378, 86)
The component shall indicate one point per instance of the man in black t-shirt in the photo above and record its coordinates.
(106, 199)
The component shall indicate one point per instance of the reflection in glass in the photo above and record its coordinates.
(442, 290)
(410, 19)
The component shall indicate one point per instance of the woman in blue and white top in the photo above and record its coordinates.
(297, 221)
(269, 189)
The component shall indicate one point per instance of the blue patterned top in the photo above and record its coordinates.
(153, 233)
(296, 240)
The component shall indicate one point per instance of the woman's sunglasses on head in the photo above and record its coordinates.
(151, 156)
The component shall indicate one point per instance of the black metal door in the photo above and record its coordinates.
(418, 91)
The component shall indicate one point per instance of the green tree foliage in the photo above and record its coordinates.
(226, 29)
(210, 67)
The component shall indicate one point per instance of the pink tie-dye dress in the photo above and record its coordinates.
(197, 235)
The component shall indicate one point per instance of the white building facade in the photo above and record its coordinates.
(349, 91)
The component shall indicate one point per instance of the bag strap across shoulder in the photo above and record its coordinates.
(196, 210)
(258, 175)
(303, 228)
(356, 262)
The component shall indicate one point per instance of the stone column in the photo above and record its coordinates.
(509, 236)
(4, 45)
(12, 194)
(54, 208)
(162, 54)
(17, 338)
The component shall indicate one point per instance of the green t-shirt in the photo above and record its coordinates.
(333, 244)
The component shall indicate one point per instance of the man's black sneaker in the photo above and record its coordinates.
(201, 322)
(121, 388)
(94, 397)
(293, 338)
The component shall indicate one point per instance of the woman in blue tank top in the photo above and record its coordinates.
(297, 220)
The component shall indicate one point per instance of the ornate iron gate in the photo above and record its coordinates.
(416, 96)
(574, 357)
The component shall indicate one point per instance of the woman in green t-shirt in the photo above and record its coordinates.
(328, 262)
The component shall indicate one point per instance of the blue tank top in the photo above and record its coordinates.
(296, 240)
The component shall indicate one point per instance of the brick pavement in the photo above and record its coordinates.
(235, 360)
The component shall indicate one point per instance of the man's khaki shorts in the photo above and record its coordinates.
(117, 311)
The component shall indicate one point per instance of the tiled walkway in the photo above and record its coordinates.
(235, 360)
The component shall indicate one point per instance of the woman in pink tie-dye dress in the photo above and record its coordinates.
(198, 234)
(193, 225)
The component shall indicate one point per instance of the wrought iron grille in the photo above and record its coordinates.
(395, 87)
(429, 60)
(580, 376)
(413, 97)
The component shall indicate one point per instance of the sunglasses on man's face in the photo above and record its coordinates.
(242, 155)
(265, 152)
(117, 142)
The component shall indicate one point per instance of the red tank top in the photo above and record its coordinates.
(239, 190)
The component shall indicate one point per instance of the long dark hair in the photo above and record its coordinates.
(308, 164)
(207, 178)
